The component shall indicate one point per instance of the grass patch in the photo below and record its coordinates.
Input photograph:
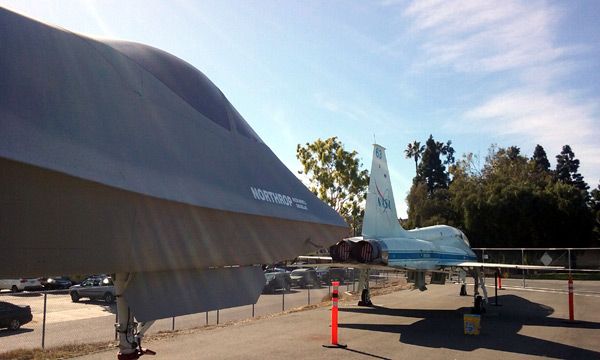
(62, 352)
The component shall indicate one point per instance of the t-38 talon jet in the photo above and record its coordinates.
(385, 243)
(119, 158)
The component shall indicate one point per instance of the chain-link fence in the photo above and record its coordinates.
(58, 321)
(579, 263)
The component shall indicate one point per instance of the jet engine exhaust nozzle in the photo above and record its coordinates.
(361, 251)
(340, 252)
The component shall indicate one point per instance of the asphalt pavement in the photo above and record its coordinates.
(408, 324)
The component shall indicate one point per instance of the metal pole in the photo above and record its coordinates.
(496, 289)
(569, 253)
(571, 308)
(523, 262)
(207, 318)
(496, 282)
(173, 324)
(308, 294)
(283, 301)
(217, 316)
(252, 310)
(116, 322)
(44, 322)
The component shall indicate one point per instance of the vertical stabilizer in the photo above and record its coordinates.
(380, 212)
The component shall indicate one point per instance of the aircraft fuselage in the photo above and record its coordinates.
(427, 248)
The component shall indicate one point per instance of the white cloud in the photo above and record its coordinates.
(549, 118)
(516, 39)
(359, 111)
(486, 35)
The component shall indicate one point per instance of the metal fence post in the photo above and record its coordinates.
(44, 322)
(207, 318)
(217, 316)
(308, 294)
(283, 301)
(252, 310)
(523, 262)
(173, 324)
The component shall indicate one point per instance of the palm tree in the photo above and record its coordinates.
(414, 150)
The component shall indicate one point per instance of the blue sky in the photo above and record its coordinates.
(475, 72)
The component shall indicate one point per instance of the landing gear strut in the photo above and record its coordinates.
(363, 287)
(479, 301)
(462, 279)
(130, 332)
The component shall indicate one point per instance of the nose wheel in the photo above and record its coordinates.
(130, 332)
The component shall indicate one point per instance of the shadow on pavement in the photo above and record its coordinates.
(499, 329)
(6, 332)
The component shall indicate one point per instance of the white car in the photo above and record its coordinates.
(16, 285)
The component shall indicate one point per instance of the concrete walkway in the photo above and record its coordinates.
(405, 325)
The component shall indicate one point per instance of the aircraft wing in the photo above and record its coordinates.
(504, 266)
(466, 264)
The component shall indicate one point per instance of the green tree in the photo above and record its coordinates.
(595, 208)
(414, 150)
(566, 169)
(431, 171)
(510, 203)
(335, 176)
(448, 151)
(540, 159)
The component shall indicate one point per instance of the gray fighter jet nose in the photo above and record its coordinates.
(113, 147)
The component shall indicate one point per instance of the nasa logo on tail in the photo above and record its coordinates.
(383, 202)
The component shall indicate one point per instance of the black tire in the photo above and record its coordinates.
(14, 289)
(75, 297)
(109, 298)
(14, 324)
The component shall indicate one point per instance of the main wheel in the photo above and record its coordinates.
(109, 298)
(14, 324)
(75, 297)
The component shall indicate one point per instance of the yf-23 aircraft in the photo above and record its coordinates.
(385, 243)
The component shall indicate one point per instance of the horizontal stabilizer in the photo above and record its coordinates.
(163, 294)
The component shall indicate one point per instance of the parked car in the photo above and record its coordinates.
(269, 269)
(16, 285)
(94, 288)
(323, 274)
(305, 278)
(277, 281)
(13, 316)
(57, 283)
(327, 275)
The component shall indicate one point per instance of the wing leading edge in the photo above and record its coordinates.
(505, 266)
